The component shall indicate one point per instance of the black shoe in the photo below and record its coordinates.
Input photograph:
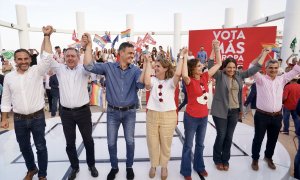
(73, 174)
(112, 174)
(130, 173)
(94, 171)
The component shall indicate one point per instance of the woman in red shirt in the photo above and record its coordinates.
(195, 116)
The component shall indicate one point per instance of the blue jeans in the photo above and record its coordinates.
(286, 120)
(225, 129)
(114, 119)
(193, 126)
(36, 125)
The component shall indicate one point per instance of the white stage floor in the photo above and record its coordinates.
(12, 163)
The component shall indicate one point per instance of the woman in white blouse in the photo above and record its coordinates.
(161, 115)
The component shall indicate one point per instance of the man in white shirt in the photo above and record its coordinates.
(24, 90)
(75, 110)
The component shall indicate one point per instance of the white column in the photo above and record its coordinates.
(80, 23)
(177, 31)
(229, 18)
(291, 28)
(23, 23)
(130, 25)
(254, 11)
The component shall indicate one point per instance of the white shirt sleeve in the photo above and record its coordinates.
(45, 63)
(6, 96)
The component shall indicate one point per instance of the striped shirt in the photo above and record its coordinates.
(269, 92)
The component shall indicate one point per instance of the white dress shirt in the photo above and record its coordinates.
(73, 85)
(25, 92)
(47, 77)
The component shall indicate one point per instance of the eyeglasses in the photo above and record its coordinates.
(160, 86)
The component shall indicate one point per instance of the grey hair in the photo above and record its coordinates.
(271, 61)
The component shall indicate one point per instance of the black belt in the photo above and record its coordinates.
(269, 113)
(75, 108)
(124, 108)
(28, 116)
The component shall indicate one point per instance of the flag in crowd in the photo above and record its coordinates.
(96, 98)
(114, 41)
(148, 39)
(99, 40)
(8, 55)
(293, 44)
(139, 42)
(125, 33)
(74, 36)
(107, 37)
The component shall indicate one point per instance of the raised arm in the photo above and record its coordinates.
(185, 74)
(47, 59)
(87, 45)
(287, 61)
(256, 65)
(147, 75)
(262, 56)
(142, 77)
(178, 72)
(48, 30)
(287, 77)
(216, 50)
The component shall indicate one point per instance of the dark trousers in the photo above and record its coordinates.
(225, 129)
(55, 100)
(83, 119)
(265, 123)
(49, 96)
(36, 127)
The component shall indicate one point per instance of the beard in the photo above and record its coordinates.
(23, 66)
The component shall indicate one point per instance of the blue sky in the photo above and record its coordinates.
(154, 15)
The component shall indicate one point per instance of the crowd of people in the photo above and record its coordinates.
(122, 73)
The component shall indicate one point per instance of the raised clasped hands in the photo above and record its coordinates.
(47, 30)
(86, 40)
(216, 44)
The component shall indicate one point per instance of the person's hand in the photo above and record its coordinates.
(147, 58)
(47, 30)
(86, 41)
(4, 124)
(267, 50)
(184, 52)
(216, 44)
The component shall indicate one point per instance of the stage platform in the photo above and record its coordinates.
(12, 165)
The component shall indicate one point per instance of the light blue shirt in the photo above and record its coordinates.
(202, 55)
(121, 85)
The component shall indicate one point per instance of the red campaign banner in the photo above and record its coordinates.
(243, 44)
